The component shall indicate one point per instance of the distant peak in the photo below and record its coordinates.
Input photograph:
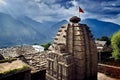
(93, 20)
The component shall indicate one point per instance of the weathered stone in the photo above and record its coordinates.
(73, 55)
(75, 19)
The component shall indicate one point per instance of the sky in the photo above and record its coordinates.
(56, 10)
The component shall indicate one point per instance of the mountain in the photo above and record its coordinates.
(98, 28)
(24, 30)
(40, 27)
(45, 28)
(101, 28)
(15, 32)
(54, 28)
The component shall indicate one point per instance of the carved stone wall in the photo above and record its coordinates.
(73, 55)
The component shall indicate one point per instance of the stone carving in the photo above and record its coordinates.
(73, 55)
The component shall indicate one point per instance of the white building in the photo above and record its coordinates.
(38, 48)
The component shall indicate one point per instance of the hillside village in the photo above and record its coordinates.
(36, 60)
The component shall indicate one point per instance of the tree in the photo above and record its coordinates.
(35, 44)
(46, 46)
(115, 42)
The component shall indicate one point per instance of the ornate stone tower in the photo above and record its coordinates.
(73, 55)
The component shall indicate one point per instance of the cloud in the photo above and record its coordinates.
(2, 2)
(113, 19)
(101, 9)
(56, 10)
(40, 10)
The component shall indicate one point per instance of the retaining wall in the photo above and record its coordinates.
(112, 71)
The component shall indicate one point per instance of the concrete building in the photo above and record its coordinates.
(73, 55)
(101, 45)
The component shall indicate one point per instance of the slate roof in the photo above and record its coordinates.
(37, 60)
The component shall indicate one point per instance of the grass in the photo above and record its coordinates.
(7, 60)
(15, 70)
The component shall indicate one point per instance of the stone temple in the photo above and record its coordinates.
(73, 55)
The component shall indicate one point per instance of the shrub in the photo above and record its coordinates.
(115, 42)
(46, 46)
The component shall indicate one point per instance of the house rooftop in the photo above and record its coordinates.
(100, 43)
(27, 54)
(12, 66)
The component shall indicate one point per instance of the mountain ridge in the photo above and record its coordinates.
(25, 30)
(15, 32)
(101, 28)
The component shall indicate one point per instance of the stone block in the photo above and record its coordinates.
(77, 38)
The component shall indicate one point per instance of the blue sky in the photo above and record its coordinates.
(56, 10)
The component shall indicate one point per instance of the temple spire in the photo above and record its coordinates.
(75, 19)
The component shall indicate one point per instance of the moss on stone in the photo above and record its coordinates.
(15, 70)
(7, 60)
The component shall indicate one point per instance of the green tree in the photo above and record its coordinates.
(46, 46)
(115, 42)
(35, 44)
